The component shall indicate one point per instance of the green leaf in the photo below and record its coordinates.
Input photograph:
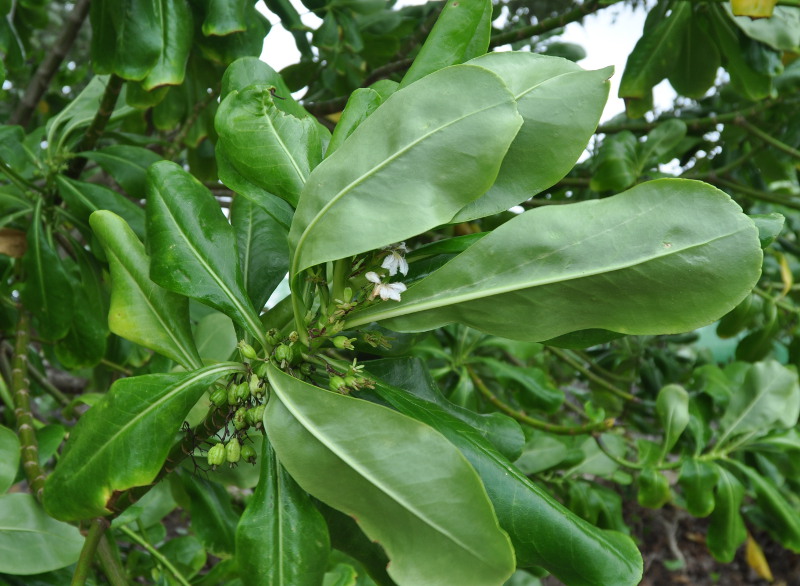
(769, 397)
(273, 150)
(175, 20)
(361, 103)
(132, 36)
(726, 531)
(187, 554)
(411, 375)
(461, 32)
(263, 250)
(653, 57)
(213, 517)
(672, 408)
(537, 392)
(9, 458)
(667, 256)
(407, 486)
(123, 441)
(698, 61)
(784, 519)
(215, 337)
(85, 198)
(128, 165)
(660, 143)
(380, 185)
(781, 31)
(249, 71)
(32, 542)
(281, 538)
(247, 43)
(769, 227)
(617, 163)
(653, 490)
(698, 479)
(141, 311)
(538, 525)
(224, 17)
(48, 288)
(560, 104)
(193, 245)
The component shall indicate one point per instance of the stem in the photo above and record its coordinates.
(770, 140)
(627, 463)
(49, 388)
(536, 423)
(548, 24)
(47, 69)
(177, 141)
(753, 193)
(154, 552)
(25, 423)
(564, 356)
(98, 125)
(96, 530)
(109, 561)
(17, 179)
(117, 367)
(8, 401)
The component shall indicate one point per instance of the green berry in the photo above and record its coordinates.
(293, 337)
(243, 391)
(336, 383)
(233, 451)
(260, 369)
(343, 342)
(233, 394)
(249, 454)
(216, 455)
(272, 336)
(255, 386)
(240, 418)
(283, 352)
(219, 397)
(247, 351)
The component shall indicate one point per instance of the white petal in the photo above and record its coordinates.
(391, 262)
(403, 266)
(373, 277)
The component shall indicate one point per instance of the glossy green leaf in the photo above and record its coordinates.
(698, 479)
(281, 538)
(784, 519)
(617, 164)
(193, 245)
(291, 21)
(653, 57)
(664, 257)
(560, 104)
(672, 408)
(215, 337)
(124, 440)
(213, 516)
(128, 165)
(272, 149)
(141, 311)
(381, 187)
(85, 198)
(32, 542)
(660, 143)
(48, 287)
(653, 490)
(360, 104)
(417, 496)
(186, 554)
(175, 18)
(461, 32)
(769, 227)
(247, 43)
(769, 397)
(224, 17)
(263, 250)
(132, 36)
(538, 525)
(695, 69)
(249, 71)
(9, 458)
(752, 84)
(411, 375)
(781, 31)
(541, 453)
(536, 391)
(726, 532)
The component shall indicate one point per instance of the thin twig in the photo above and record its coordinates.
(565, 356)
(536, 423)
(47, 69)
(26, 431)
(110, 562)
(49, 388)
(155, 553)
(548, 24)
(770, 140)
(753, 193)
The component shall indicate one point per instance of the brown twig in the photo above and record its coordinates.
(47, 69)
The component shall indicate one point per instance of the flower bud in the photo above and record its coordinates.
(283, 352)
(233, 451)
(336, 383)
(343, 342)
(247, 351)
(347, 295)
(216, 455)
(219, 397)
(249, 454)
(293, 337)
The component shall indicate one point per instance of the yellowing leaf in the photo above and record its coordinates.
(756, 560)
(753, 8)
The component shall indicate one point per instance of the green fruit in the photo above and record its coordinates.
(249, 454)
(216, 455)
(337, 384)
(247, 351)
(219, 397)
(233, 451)
(240, 418)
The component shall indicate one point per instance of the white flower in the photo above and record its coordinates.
(395, 261)
(384, 290)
